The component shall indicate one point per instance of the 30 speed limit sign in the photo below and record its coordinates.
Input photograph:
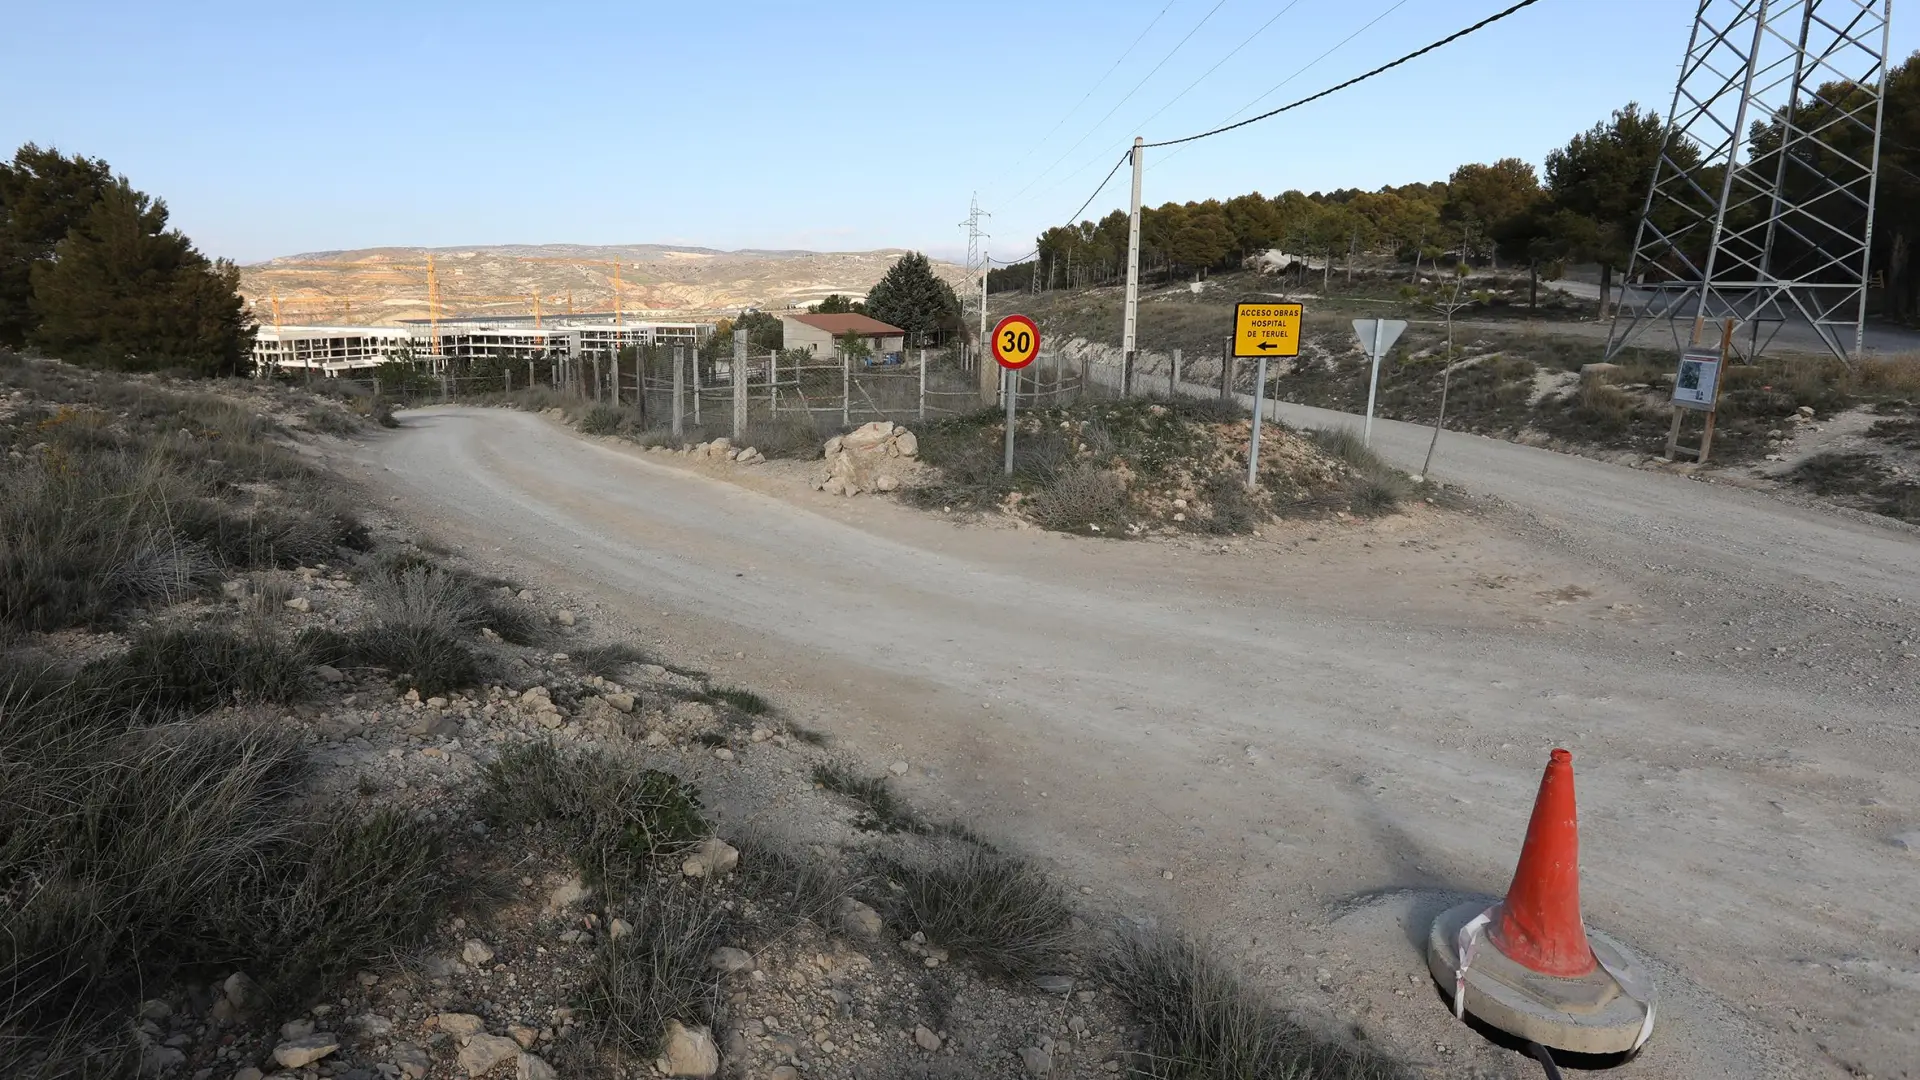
(1016, 341)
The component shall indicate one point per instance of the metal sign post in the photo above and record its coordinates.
(1015, 341)
(1260, 331)
(1376, 336)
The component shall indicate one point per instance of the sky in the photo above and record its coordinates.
(279, 129)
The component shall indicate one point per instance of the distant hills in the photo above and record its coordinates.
(381, 286)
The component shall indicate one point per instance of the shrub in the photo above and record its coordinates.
(1081, 497)
(1232, 509)
(133, 857)
(658, 971)
(785, 436)
(884, 811)
(612, 814)
(746, 701)
(184, 671)
(800, 888)
(608, 661)
(1198, 1021)
(1376, 494)
(998, 909)
(332, 421)
(602, 420)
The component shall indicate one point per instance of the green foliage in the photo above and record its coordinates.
(611, 814)
(853, 346)
(912, 298)
(404, 376)
(603, 420)
(125, 291)
(763, 330)
(836, 304)
(189, 670)
(43, 195)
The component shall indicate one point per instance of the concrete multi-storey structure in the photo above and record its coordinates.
(337, 350)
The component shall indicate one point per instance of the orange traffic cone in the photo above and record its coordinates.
(1538, 925)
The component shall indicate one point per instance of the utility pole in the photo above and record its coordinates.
(986, 373)
(1129, 332)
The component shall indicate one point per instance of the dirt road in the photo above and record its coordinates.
(1303, 745)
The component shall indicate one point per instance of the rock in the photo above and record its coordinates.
(1805, 411)
(907, 443)
(296, 1029)
(159, 1059)
(859, 920)
(300, 604)
(784, 1072)
(618, 928)
(460, 1025)
(483, 1053)
(886, 483)
(564, 617)
(1039, 1061)
(852, 477)
(723, 753)
(831, 447)
(620, 702)
(1909, 841)
(329, 674)
(871, 436)
(154, 1009)
(927, 1039)
(372, 1025)
(300, 1053)
(525, 594)
(784, 1045)
(523, 1035)
(712, 858)
(533, 1068)
(731, 961)
(248, 1073)
(568, 893)
(687, 1052)
(475, 952)
(411, 1059)
(535, 695)
(241, 991)
(898, 768)
(1054, 984)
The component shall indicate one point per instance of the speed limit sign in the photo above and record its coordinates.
(1016, 341)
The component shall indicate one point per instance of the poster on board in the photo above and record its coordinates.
(1697, 384)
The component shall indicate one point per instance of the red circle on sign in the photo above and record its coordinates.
(1016, 341)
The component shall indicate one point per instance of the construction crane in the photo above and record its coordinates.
(365, 269)
(275, 302)
(618, 319)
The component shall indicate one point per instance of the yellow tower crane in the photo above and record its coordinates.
(618, 319)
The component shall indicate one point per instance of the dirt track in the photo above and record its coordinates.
(1324, 733)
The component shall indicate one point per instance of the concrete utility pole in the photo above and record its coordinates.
(991, 385)
(1129, 339)
(739, 384)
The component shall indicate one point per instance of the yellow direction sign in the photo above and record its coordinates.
(1266, 330)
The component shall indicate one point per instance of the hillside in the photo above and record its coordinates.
(385, 285)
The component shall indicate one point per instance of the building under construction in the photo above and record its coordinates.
(337, 350)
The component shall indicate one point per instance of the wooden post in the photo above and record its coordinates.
(1173, 376)
(1226, 371)
(1705, 449)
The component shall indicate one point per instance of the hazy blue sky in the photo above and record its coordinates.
(272, 129)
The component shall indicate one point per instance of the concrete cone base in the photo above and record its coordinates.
(1585, 1015)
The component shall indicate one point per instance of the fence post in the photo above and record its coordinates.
(922, 414)
(739, 385)
(695, 367)
(1173, 378)
(1226, 372)
(846, 388)
(640, 383)
(507, 374)
(679, 387)
(773, 382)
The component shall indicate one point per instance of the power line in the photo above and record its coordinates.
(1075, 216)
(1116, 105)
(1416, 54)
(1096, 85)
(1301, 70)
(1244, 42)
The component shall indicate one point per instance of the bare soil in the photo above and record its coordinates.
(1302, 743)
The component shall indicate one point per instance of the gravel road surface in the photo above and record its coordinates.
(1304, 744)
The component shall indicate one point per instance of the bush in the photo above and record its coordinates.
(185, 671)
(998, 909)
(1606, 409)
(332, 421)
(745, 701)
(884, 811)
(801, 888)
(612, 814)
(134, 857)
(1232, 510)
(1081, 497)
(608, 661)
(786, 436)
(1378, 494)
(602, 420)
(660, 970)
(1199, 1022)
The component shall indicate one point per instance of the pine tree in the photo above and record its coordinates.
(125, 291)
(42, 196)
(913, 299)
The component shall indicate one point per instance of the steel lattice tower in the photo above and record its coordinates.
(1761, 207)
